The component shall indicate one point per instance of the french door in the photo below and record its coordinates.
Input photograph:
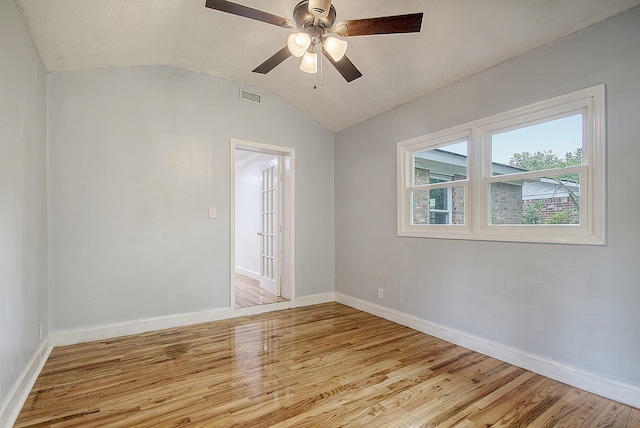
(270, 226)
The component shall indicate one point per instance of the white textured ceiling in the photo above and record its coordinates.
(458, 38)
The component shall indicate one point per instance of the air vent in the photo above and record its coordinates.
(250, 97)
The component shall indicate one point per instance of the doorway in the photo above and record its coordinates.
(262, 268)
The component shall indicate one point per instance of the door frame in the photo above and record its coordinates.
(287, 244)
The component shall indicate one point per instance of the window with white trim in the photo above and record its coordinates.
(533, 174)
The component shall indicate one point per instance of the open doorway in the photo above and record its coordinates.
(262, 273)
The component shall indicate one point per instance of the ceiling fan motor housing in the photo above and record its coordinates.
(304, 18)
(319, 8)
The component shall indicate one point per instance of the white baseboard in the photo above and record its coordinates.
(246, 272)
(261, 309)
(15, 399)
(315, 299)
(614, 390)
(299, 302)
(109, 331)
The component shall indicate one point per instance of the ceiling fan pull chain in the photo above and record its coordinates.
(321, 67)
(315, 76)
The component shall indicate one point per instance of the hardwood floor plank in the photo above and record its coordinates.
(248, 293)
(321, 366)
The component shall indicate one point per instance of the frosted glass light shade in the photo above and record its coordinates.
(298, 43)
(309, 63)
(335, 47)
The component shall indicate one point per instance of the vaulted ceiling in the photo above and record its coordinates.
(458, 38)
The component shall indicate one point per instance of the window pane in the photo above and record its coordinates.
(420, 203)
(439, 218)
(439, 199)
(448, 163)
(544, 200)
(553, 144)
(438, 206)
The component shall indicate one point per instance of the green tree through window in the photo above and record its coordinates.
(546, 159)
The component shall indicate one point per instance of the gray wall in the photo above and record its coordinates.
(577, 305)
(23, 198)
(136, 157)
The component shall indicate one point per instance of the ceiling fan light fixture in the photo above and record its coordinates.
(298, 43)
(309, 62)
(335, 47)
(314, 21)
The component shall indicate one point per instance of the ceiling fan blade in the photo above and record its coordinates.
(411, 23)
(273, 61)
(247, 12)
(344, 67)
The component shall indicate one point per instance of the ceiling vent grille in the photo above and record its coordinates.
(250, 97)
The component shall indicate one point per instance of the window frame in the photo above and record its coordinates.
(589, 102)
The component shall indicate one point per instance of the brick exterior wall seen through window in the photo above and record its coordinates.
(457, 202)
(421, 198)
(563, 208)
(506, 203)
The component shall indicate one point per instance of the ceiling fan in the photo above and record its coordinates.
(314, 20)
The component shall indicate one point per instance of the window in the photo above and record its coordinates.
(435, 202)
(534, 174)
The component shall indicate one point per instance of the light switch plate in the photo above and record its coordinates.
(212, 212)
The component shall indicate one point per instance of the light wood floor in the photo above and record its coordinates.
(249, 293)
(320, 366)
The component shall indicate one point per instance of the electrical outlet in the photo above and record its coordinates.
(380, 293)
(213, 212)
